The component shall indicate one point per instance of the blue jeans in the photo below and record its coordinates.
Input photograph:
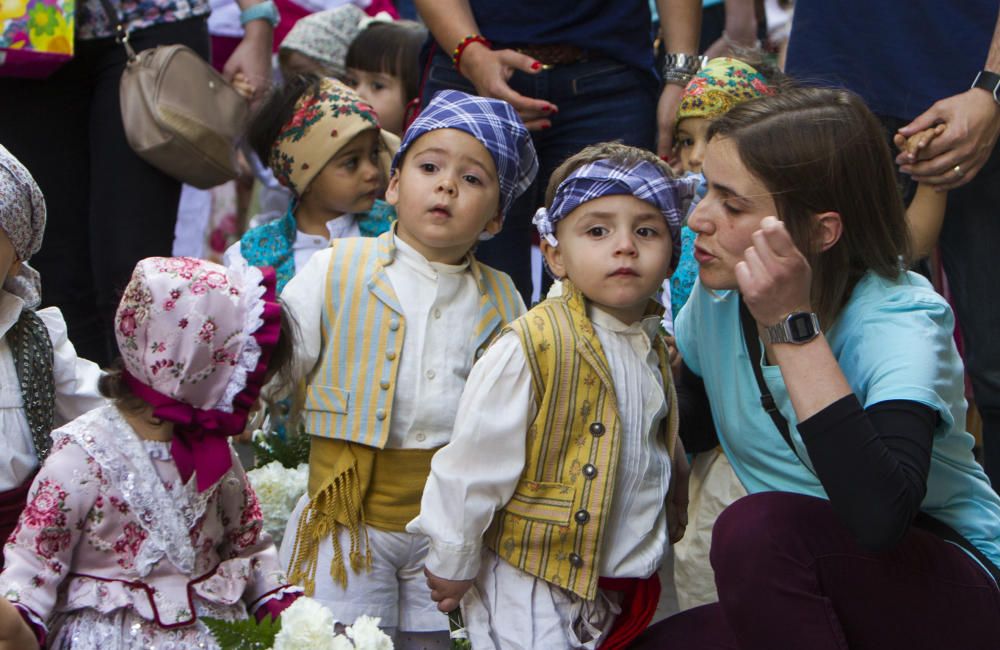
(599, 101)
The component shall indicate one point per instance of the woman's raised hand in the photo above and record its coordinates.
(774, 277)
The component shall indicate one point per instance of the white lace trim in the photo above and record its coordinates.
(253, 292)
(167, 516)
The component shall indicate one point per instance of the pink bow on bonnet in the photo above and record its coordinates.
(196, 338)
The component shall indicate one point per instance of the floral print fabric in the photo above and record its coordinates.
(92, 22)
(84, 550)
(721, 84)
(22, 219)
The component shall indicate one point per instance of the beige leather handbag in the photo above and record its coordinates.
(179, 114)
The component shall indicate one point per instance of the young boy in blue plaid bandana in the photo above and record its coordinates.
(566, 431)
(390, 328)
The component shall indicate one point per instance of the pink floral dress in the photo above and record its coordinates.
(114, 552)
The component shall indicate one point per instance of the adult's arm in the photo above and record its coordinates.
(973, 124)
(697, 429)
(680, 25)
(873, 464)
(252, 57)
(740, 30)
(450, 21)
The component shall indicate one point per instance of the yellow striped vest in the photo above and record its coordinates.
(553, 526)
(350, 392)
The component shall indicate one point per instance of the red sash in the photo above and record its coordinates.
(640, 597)
(11, 504)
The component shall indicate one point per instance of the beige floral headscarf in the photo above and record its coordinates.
(22, 219)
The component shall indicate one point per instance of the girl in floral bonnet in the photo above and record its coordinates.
(141, 521)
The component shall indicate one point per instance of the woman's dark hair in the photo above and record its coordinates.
(821, 150)
(392, 48)
(112, 386)
(275, 112)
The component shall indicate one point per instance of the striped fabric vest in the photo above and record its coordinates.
(350, 393)
(553, 525)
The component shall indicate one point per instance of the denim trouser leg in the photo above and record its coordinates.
(598, 101)
(970, 240)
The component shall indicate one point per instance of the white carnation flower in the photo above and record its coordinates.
(306, 625)
(278, 489)
(367, 635)
(341, 642)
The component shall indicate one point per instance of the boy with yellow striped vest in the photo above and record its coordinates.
(390, 328)
(560, 461)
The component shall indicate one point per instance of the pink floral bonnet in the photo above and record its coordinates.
(196, 338)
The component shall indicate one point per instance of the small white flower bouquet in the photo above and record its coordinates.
(278, 489)
(306, 625)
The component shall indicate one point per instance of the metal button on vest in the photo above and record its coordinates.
(582, 516)
(575, 560)
(384, 384)
(394, 324)
(380, 414)
(479, 353)
(589, 471)
(597, 429)
(390, 355)
(421, 437)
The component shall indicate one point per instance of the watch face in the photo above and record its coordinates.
(800, 326)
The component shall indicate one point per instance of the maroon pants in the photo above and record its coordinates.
(791, 577)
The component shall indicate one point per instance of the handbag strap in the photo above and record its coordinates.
(121, 29)
(922, 520)
(752, 342)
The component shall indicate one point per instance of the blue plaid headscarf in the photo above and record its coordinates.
(645, 181)
(495, 124)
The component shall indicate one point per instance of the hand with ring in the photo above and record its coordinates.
(958, 170)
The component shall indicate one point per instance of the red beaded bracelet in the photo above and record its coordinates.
(456, 54)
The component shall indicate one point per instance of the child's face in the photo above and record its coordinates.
(384, 92)
(692, 138)
(446, 193)
(9, 264)
(729, 214)
(616, 249)
(350, 181)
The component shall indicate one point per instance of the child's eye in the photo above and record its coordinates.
(374, 155)
(469, 178)
(428, 167)
(350, 82)
(377, 85)
(684, 143)
(597, 231)
(351, 163)
(646, 231)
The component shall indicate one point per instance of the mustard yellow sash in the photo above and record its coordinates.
(354, 486)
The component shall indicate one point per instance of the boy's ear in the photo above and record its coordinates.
(392, 190)
(494, 225)
(553, 257)
(829, 228)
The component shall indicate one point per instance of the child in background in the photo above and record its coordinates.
(318, 43)
(324, 144)
(42, 382)
(720, 85)
(383, 66)
(141, 521)
(567, 429)
(390, 328)
(925, 214)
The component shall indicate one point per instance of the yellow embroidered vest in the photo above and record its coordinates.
(553, 525)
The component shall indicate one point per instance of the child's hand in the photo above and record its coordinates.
(446, 593)
(677, 498)
(918, 141)
(242, 85)
(14, 632)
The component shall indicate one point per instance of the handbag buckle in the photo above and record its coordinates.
(122, 36)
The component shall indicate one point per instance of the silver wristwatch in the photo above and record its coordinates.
(798, 327)
(678, 68)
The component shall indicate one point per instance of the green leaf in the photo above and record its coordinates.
(247, 634)
(290, 452)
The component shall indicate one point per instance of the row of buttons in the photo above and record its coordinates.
(581, 517)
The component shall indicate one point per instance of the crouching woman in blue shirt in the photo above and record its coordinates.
(837, 393)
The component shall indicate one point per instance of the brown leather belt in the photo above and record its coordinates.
(554, 54)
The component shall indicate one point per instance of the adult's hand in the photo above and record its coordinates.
(252, 58)
(666, 117)
(774, 277)
(14, 632)
(490, 70)
(973, 124)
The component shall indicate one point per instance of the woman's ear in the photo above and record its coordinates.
(553, 257)
(829, 228)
